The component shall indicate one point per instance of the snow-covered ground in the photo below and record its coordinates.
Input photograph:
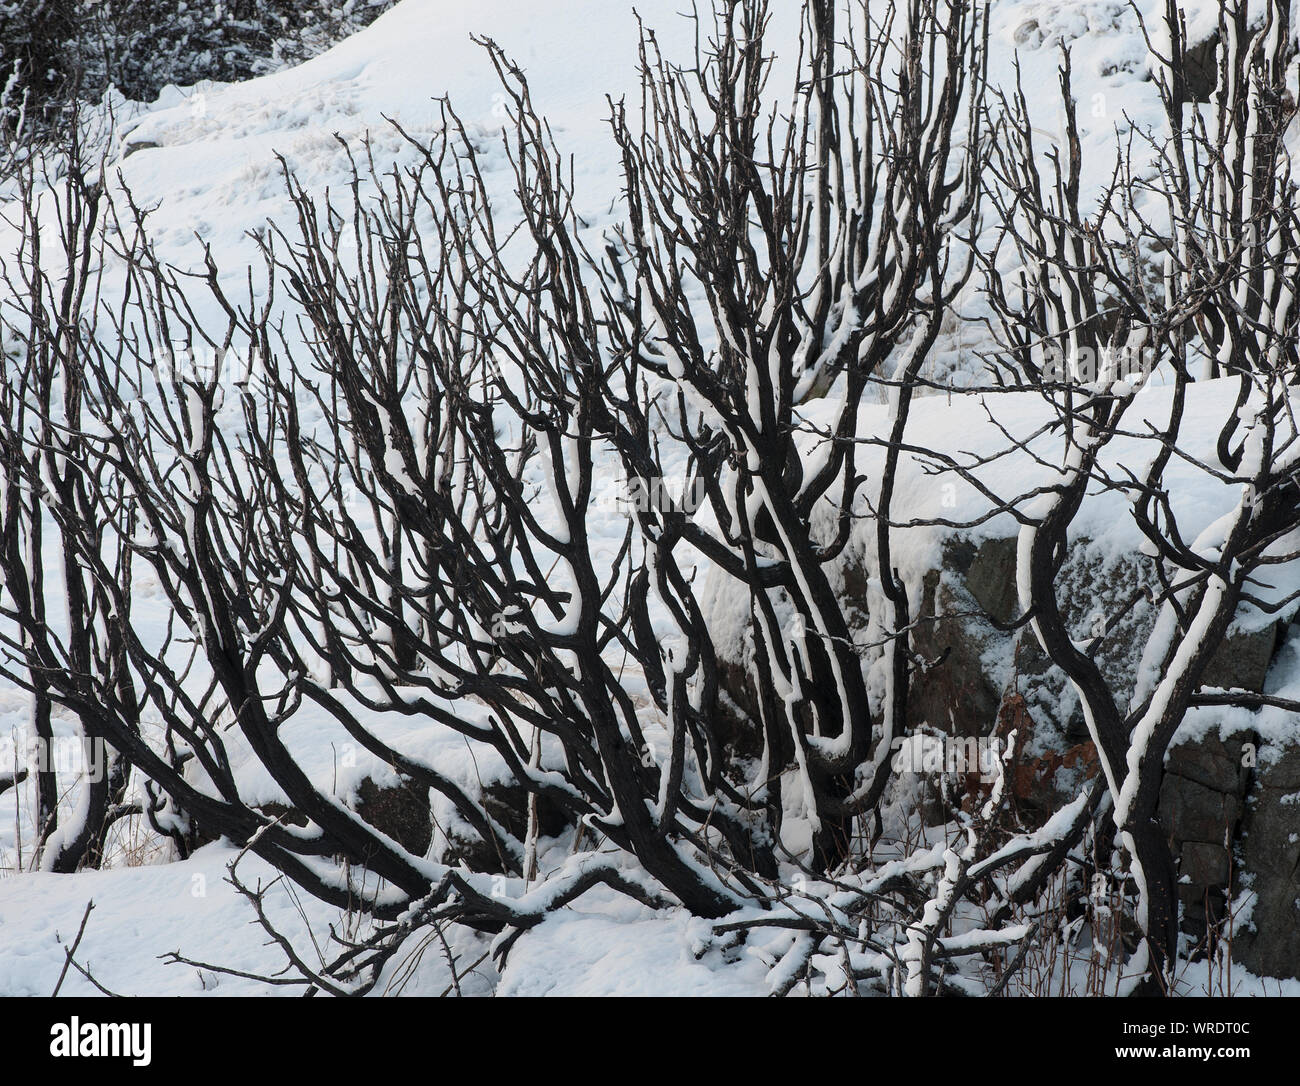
(208, 160)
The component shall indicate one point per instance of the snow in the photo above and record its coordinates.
(140, 914)
(623, 951)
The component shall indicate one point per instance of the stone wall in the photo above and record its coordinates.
(1231, 825)
(1270, 860)
(1202, 801)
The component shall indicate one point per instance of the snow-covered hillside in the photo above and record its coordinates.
(208, 157)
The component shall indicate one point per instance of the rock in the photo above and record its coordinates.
(1230, 825)
(1202, 69)
(991, 577)
(737, 712)
(139, 145)
(960, 693)
(1193, 812)
(955, 692)
(400, 811)
(1202, 800)
(1280, 771)
(1043, 784)
(288, 815)
(981, 578)
(1205, 865)
(507, 803)
(1028, 33)
(1243, 659)
(967, 664)
(1203, 907)
(1210, 762)
(1270, 854)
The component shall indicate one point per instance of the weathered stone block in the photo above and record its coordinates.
(1192, 812)
(401, 812)
(1211, 762)
(1270, 852)
(1205, 865)
(1242, 660)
